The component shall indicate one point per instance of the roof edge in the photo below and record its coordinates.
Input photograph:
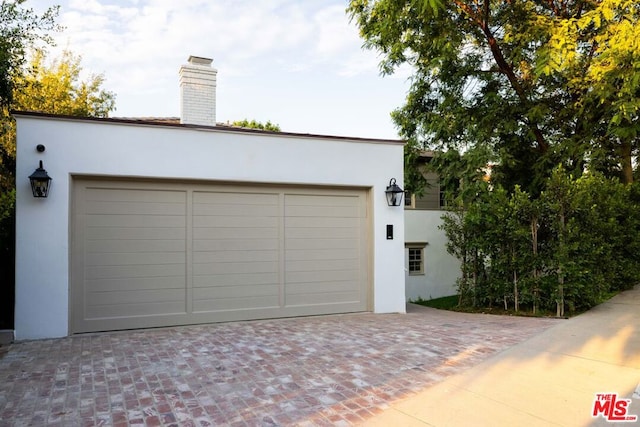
(220, 128)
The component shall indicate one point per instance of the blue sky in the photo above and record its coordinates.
(297, 63)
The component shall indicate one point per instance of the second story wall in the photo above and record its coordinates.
(431, 197)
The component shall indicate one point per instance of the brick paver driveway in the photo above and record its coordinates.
(329, 370)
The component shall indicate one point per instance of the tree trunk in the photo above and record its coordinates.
(534, 239)
(560, 299)
(475, 276)
(465, 278)
(482, 21)
(625, 160)
(516, 304)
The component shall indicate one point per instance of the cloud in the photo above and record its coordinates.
(238, 31)
(139, 44)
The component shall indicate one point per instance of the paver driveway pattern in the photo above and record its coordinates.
(329, 370)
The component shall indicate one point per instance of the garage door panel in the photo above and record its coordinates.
(323, 200)
(113, 192)
(299, 244)
(135, 221)
(238, 197)
(134, 208)
(313, 211)
(116, 259)
(234, 268)
(202, 245)
(236, 256)
(133, 310)
(235, 232)
(319, 265)
(321, 254)
(321, 233)
(140, 283)
(134, 246)
(323, 298)
(312, 288)
(236, 291)
(236, 221)
(348, 277)
(236, 304)
(133, 271)
(217, 280)
(241, 210)
(153, 253)
(322, 222)
(130, 233)
(151, 296)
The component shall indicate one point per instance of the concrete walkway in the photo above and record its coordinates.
(550, 379)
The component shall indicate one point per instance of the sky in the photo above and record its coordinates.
(299, 64)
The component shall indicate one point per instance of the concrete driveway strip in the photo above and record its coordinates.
(327, 370)
(552, 379)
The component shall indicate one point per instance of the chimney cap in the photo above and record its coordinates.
(199, 60)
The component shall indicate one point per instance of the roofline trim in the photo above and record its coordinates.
(222, 128)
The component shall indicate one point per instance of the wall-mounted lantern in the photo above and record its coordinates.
(394, 193)
(40, 181)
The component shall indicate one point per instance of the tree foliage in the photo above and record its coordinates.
(539, 83)
(547, 94)
(253, 124)
(56, 88)
(20, 29)
(564, 251)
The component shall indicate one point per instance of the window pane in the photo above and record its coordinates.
(415, 260)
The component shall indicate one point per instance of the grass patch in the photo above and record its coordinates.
(444, 303)
(451, 303)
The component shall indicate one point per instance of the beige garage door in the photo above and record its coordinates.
(147, 254)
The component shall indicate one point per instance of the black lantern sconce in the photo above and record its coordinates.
(40, 182)
(394, 193)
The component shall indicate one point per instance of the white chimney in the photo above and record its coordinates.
(198, 92)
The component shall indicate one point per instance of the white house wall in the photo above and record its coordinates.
(440, 269)
(96, 148)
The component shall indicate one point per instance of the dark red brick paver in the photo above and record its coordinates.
(314, 371)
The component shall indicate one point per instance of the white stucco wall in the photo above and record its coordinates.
(82, 147)
(440, 269)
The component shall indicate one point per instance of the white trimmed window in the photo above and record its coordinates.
(416, 258)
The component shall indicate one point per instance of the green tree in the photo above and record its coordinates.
(20, 29)
(252, 124)
(565, 251)
(550, 90)
(484, 74)
(55, 88)
(558, 196)
(597, 54)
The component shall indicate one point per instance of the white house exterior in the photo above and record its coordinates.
(150, 224)
(87, 158)
(440, 269)
(431, 272)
